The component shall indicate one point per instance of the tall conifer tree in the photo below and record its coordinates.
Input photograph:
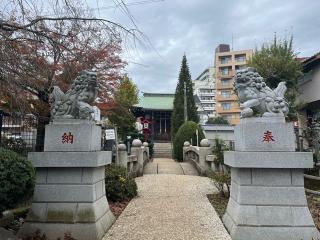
(178, 103)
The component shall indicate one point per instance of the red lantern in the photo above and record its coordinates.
(146, 128)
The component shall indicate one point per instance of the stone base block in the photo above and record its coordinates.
(238, 232)
(245, 159)
(70, 159)
(80, 231)
(268, 204)
(69, 199)
(251, 132)
(72, 135)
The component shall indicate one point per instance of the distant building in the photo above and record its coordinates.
(226, 63)
(309, 89)
(204, 91)
(157, 109)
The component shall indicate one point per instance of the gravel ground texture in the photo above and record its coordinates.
(170, 207)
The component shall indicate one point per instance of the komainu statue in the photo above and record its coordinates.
(254, 94)
(75, 103)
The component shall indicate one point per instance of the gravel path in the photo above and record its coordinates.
(169, 207)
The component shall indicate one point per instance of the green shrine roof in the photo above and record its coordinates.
(156, 101)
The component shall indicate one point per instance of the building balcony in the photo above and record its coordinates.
(206, 94)
(207, 101)
(225, 64)
(233, 109)
(208, 108)
(221, 98)
(240, 63)
(230, 74)
(224, 86)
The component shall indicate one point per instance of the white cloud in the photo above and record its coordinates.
(196, 27)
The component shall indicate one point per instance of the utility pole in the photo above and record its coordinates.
(185, 103)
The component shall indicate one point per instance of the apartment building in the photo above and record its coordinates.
(226, 63)
(204, 91)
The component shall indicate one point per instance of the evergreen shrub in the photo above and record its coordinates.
(185, 133)
(119, 186)
(17, 177)
(217, 120)
(16, 145)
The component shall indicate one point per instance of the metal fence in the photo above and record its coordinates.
(22, 132)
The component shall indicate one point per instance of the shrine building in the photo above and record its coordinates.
(154, 110)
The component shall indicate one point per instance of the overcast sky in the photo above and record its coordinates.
(196, 27)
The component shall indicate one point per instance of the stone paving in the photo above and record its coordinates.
(169, 206)
(169, 166)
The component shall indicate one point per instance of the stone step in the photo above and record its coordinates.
(163, 153)
(162, 156)
(162, 150)
(162, 144)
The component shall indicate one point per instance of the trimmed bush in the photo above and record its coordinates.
(119, 186)
(186, 132)
(217, 120)
(17, 177)
(16, 145)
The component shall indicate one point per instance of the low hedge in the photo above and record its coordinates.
(186, 132)
(119, 186)
(17, 177)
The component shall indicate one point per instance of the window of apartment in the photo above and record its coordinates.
(226, 106)
(225, 59)
(225, 94)
(206, 98)
(225, 82)
(225, 70)
(207, 105)
(306, 77)
(240, 58)
(240, 67)
(203, 90)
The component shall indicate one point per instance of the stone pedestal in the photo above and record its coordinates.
(69, 195)
(267, 199)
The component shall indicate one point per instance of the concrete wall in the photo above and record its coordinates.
(310, 89)
(224, 132)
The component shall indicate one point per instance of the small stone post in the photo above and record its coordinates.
(204, 150)
(268, 200)
(186, 145)
(122, 155)
(138, 151)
